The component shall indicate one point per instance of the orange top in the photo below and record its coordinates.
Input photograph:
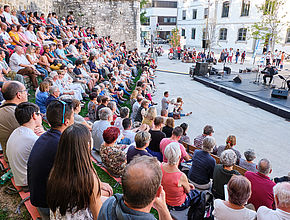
(174, 194)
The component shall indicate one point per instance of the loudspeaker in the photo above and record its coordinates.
(237, 79)
(204, 44)
(228, 70)
(201, 69)
(280, 93)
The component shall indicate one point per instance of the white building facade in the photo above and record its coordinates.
(228, 23)
(162, 18)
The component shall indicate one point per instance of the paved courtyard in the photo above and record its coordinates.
(254, 128)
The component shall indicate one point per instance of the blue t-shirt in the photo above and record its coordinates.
(132, 152)
(202, 167)
(41, 101)
(39, 164)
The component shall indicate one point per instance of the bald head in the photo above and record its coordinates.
(12, 90)
(141, 181)
(264, 166)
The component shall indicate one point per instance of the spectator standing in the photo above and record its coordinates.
(142, 140)
(203, 165)
(207, 131)
(165, 101)
(262, 186)
(223, 172)
(243, 57)
(141, 183)
(237, 55)
(22, 139)
(60, 116)
(14, 93)
(248, 162)
(239, 191)
(282, 201)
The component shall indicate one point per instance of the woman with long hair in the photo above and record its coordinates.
(73, 187)
(149, 117)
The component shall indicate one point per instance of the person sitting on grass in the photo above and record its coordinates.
(142, 140)
(78, 118)
(74, 189)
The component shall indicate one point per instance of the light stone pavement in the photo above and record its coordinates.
(254, 128)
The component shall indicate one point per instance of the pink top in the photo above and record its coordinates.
(164, 142)
(174, 194)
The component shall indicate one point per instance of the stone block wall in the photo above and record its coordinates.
(118, 18)
(44, 6)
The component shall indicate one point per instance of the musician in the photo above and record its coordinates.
(269, 72)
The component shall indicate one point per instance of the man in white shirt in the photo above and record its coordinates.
(20, 65)
(7, 14)
(282, 201)
(22, 139)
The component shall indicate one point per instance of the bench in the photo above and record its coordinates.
(25, 196)
(190, 149)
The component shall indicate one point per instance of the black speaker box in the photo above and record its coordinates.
(201, 69)
(237, 79)
(280, 93)
(228, 70)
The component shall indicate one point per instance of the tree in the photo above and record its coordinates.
(270, 25)
(143, 18)
(175, 38)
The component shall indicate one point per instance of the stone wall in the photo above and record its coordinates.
(29, 5)
(118, 18)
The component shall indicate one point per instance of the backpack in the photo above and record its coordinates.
(202, 207)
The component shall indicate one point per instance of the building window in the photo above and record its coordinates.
(193, 33)
(288, 36)
(204, 34)
(206, 13)
(242, 34)
(245, 8)
(269, 7)
(223, 34)
(183, 14)
(183, 32)
(226, 9)
(194, 14)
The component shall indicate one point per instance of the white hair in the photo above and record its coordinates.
(105, 113)
(208, 144)
(172, 152)
(282, 191)
(228, 158)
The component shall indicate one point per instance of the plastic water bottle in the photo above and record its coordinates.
(5, 177)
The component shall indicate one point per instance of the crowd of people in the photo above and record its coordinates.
(69, 67)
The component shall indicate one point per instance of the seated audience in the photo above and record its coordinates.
(92, 106)
(230, 143)
(14, 93)
(54, 94)
(142, 140)
(141, 111)
(207, 131)
(112, 155)
(136, 106)
(127, 130)
(104, 102)
(239, 191)
(184, 138)
(282, 202)
(42, 96)
(150, 116)
(22, 139)
(203, 165)
(262, 185)
(156, 136)
(106, 116)
(67, 195)
(223, 172)
(124, 113)
(78, 119)
(175, 184)
(168, 128)
(60, 116)
(141, 184)
(176, 135)
(248, 162)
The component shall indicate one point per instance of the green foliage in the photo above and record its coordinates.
(143, 18)
(269, 27)
(175, 38)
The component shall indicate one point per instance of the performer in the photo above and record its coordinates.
(269, 71)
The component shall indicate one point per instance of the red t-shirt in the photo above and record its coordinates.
(171, 50)
(262, 190)
(164, 142)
